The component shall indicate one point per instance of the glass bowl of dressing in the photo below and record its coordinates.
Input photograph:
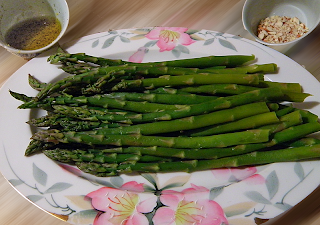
(29, 27)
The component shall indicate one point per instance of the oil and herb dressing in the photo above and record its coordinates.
(34, 33)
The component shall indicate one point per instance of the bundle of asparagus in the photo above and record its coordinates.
(110, 117)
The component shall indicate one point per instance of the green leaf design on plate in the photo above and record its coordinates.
(236, 37)
(95, 43)
(176, 52)
(150, 43)
(227, 44)
(191, 31)
(150, 178)
(183, 49)
(215, 192)
(137, 37)
(144, 29)
(283, 206)
(124, 39)
(108, 42)
(84, 215)
(172, 185)
(272, 182)
(257, 197)
(113, 32)
(148, 188)
(176, 181)
(238, 208)
(57, 187)
(15, 182)
(105, 183)
(232, 179)
(180, 49)
(34, 198)
(209, 41)
(298, 169)
(116, 181)
(196, 37)
(39, 175)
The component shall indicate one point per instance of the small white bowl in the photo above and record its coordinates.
(14, 11)
(307, 11)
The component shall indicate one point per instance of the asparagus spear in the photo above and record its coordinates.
(77, 155)
(308, 116)
(165, 90)
(262, 157)
(296, 131)
(150, 70)
(98, 86)
(98, 169)
(157, 71)
(20, 97)
(77, 67)
(60, 121)
(294, 96)
(234, 89)
(307, 141)
(176, 99)
(254, 68)
(188, 80)
(221, 140)
(164, 153)
(242, 124)
(132, 118)
(106, 74)
(36, 146)
(289, 87)
(35, 83)
(283, 110)
(102, 101)
(85, 78)
(165, 112)
(52, 120)
(250, 159)
(284, 136)
(97, 72)
(85, 114)
(202, 62)
(73, 58)
(286, 121)
(197, 109)
(188, 123)
(212, 89)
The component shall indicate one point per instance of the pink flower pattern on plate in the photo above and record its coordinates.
(169, 37)
(121, 206)
(189, 207)
(138, 56)
(71, 169)
(247, 174)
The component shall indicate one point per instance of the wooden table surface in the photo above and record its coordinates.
(92, 16)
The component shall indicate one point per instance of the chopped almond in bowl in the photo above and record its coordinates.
(281, 29)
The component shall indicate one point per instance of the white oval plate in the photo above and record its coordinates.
(231, 196)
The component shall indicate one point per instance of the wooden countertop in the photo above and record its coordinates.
(92, 16)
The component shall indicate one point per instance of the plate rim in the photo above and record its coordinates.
(95, 35)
